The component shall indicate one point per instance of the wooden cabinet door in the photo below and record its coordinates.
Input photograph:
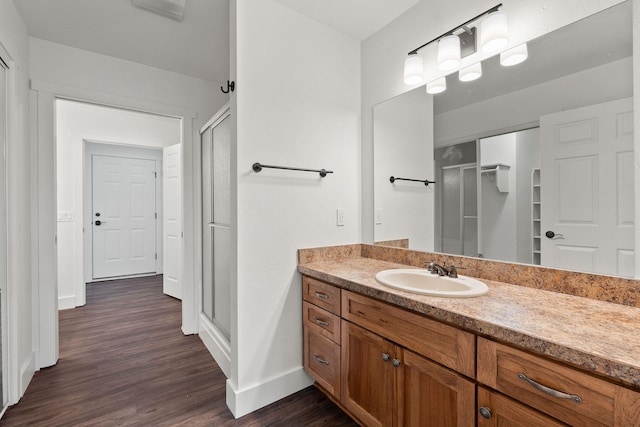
(431, 395)
(496, 410)
(367, 378)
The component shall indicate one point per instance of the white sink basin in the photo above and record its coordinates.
(423, 282)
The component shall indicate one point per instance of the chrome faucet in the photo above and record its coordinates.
(442, 270)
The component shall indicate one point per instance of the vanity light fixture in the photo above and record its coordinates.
(494, 33)
(514, 55)
(413, 69)
(449, 52)
(470, 73)
(456, 44)
(437, 86)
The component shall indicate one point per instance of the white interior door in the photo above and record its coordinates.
(172, 227)
(124, 216)
(587, 189)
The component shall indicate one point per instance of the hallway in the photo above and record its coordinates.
(126, 363)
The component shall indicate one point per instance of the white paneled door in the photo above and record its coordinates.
(587, 189)
(124, 216)
(172, 226)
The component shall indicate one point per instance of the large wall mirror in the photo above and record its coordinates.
(533, 163)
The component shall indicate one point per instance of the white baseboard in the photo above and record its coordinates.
(27, 371)
(65, 303)
(217, 344)
(242, 402)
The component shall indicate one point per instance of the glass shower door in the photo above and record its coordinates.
(216, 218)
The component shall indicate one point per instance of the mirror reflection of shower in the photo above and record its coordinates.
(489, 211)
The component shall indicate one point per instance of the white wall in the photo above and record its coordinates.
(75, 123)
(297, 104)
(498, 113)
(498, 226)
(383, 55)
(404, 149)
(14, 40)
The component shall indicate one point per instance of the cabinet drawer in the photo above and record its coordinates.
(534, 381)
(322, 322)
(321, 294)
(505, 411)
(322, 361)
(444, 344)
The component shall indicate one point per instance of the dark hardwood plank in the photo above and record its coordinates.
(125, 362)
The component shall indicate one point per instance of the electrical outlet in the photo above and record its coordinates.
(378, 216)
(340, 217)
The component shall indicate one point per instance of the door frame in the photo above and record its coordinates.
(104, 148)
(45, 315)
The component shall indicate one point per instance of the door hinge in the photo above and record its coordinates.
(155, 174)
(156, 256)
(156, 215)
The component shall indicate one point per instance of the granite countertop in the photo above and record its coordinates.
(600, 337)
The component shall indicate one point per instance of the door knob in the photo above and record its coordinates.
(98, 222)
(551, 235)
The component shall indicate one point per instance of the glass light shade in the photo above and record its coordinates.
(494, 34)
(470, 73)
(413, 70)
(514, 56)
(449, 52)
(437, 86)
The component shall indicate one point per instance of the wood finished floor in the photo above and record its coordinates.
(125, 362)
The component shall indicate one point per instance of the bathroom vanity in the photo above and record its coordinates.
(518, 354)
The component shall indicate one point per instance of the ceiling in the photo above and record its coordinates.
(359, 19)
(198, 46)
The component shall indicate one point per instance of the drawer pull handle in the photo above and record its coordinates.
(550, 391)
(320, 360)
(320, 322)
(320, 295)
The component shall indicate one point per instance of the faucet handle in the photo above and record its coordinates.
(453, 271)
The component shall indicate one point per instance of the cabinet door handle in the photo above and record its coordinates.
(320, 295)
(320, 359)
(385, 357)
(395, 363)
(320, 322)
(550, 391)
(485, 412)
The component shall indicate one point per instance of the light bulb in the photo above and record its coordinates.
(494, 34)
(449, 52)
(437, 86)
(470, 73)
(413, 70)
(514, 56)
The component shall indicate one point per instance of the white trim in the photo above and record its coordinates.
(101, 98)
(27, 371)
(8, 307)
(216, 343)
(65, 303)
(242, 402)
(45, 210)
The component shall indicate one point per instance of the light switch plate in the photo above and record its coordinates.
(340, 217)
